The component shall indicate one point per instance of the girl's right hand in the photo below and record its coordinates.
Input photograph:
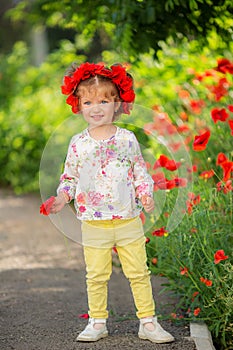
(59, 203)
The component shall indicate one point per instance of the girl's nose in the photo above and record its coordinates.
(96, 107)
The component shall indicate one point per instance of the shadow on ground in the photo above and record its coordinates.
(43, 289)
(42, 313)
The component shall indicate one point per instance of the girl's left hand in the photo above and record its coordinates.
(148, 203)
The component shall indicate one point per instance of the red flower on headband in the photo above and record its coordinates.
(117, 74)
(72, 100)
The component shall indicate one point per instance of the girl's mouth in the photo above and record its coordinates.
(97, 117)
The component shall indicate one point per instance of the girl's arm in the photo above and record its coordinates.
(68, 180)
(142, 180)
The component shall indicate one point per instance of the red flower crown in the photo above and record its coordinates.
(116, 73)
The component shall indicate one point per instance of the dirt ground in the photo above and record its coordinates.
(43, 289)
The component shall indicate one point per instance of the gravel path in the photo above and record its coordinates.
(43, 289)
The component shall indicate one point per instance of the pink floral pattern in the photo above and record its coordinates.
(106, 178)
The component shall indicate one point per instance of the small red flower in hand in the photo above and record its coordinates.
(46, 206)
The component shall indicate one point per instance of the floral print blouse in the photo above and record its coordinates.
(106, 178)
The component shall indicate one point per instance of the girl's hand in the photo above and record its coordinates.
(59, 203)
(148, 203)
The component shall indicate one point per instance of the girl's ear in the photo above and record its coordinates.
(117, 106)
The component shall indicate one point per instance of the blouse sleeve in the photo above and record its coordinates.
(142, 180)
(70, 175)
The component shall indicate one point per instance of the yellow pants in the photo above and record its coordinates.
(99, 268)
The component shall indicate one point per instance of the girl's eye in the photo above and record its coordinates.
(86, 103)
(104, 102)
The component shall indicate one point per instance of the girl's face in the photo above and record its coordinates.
(97, 106)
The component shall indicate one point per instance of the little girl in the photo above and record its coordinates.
(106, 176)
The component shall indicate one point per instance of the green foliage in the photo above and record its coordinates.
(32, 108)
(133, 27)
(186, 255)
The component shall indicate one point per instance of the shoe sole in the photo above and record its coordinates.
(155, 341)
(104, 335)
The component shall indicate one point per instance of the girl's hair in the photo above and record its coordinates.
(103, 82)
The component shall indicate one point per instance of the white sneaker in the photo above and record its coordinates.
(92, 334)
(158, 335)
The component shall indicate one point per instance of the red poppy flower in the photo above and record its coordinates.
(218, 114)
(224, 66)
(154, 261)
(143, 217)
(207, 174)
(230, 107)
(195, 294)
(222, 158)
(180, 182)
(195, 199)
(160, 232)
(184, 271)
(227, 169)
(189, 206)
(192, 169)
(219, 256)
(147, 240)
(167, 163)
(230, 122)
(201, 141)
(221, 89)
(160, 182)
(46, 206)
(225, 187)
(183, 128)
(170, 184)
(207, 282)
(196, 311)
(197, 105)
(86, 316)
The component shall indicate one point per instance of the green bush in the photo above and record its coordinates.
(32, 108)
(187, 254)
